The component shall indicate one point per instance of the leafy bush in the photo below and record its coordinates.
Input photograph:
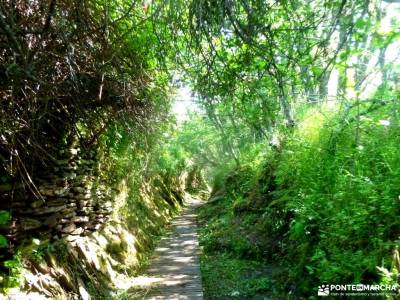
(342, 186)
(325, 204)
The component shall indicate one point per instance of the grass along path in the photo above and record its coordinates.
(233, 266)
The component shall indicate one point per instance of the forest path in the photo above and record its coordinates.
(174, 270)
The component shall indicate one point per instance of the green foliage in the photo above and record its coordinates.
(310, 185)
(343, 193)
(33, 250)
(14, 277)
(232, 263)
(5, 217)
(325, 205)
(37, 250)
(3, 241)
(230, 278)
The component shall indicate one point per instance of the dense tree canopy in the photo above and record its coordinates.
(249, 60)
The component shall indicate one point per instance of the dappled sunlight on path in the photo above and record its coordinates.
(174, 272)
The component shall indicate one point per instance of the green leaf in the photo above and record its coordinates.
(4, 217)
(3, 241)
(360, 24)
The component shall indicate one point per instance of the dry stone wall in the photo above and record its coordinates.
(75, 201)
(67, 202)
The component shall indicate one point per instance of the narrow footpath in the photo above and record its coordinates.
(175, 266)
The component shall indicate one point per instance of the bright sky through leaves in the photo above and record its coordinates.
(184, 103)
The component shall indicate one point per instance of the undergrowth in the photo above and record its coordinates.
(232, 264)
(323, 206)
